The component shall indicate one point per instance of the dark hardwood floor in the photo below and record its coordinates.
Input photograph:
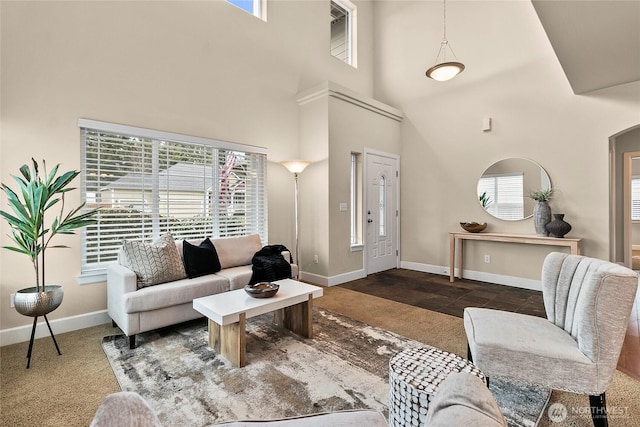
(435, 292)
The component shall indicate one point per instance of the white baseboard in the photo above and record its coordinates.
(499, 279)
(59, 326)
(333, 280)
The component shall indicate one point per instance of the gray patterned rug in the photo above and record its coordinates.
(345, 366)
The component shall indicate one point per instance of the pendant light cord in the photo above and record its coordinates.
(444, 43)
(444, 18)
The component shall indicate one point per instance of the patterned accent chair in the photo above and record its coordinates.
(576, 349)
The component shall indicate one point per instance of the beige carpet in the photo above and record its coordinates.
(66, 390)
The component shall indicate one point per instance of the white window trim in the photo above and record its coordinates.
(352, 31)
(99, 275)
(259, 9)
(158, 134)
(356, 240)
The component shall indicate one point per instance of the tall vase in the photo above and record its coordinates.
(541, 217)
(558, 227)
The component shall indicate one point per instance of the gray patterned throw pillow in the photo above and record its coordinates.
(154, 263)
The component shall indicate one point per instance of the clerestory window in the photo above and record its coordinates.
(343, 31)
(257, 8)
(147, 183)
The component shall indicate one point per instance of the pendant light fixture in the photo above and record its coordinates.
(444, 70)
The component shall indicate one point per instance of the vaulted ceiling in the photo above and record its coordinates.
(596, 42)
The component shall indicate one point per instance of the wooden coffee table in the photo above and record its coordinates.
(228, 312)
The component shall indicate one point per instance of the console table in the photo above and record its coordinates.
(460, 237)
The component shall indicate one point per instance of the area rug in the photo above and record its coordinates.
(345, 366)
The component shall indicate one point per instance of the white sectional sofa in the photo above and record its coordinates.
(138, 309)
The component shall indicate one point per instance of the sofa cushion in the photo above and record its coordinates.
(125, 408)
(174, 293)
(154, 263)
(238, 277)
(463, 399)
(235, 251)
(346, 418)
(200, 260)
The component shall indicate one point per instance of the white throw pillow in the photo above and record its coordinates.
(154, 263)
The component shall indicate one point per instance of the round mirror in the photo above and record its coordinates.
(504, 188)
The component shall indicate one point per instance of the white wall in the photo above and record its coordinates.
(513, 76)
(200, 68)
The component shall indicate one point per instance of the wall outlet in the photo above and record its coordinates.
(487, 259)
(12, 304)
(315, 259)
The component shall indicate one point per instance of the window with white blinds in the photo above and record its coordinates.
(147, 183)
(635, 198)
(504, 194)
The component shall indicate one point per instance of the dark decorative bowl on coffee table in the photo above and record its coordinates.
(262, 289)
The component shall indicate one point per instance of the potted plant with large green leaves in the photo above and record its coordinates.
(38, 193)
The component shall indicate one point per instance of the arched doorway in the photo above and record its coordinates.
(624, 152)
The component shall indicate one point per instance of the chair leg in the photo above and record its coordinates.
(132, 342)
(114, 324)
(599, 410)
(469, 356)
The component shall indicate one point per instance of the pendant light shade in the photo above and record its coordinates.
(444, 70)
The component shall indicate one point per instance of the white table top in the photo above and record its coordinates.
(225, 308)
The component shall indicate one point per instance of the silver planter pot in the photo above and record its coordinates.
(30, 302)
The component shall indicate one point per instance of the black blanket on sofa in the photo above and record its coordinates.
(268, 265)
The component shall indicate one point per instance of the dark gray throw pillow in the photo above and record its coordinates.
(200, 260)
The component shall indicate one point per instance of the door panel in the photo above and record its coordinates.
(381, 213)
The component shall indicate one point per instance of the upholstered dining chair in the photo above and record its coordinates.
(576, 348)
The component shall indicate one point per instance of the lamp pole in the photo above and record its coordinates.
(295, 211)
(296, 167)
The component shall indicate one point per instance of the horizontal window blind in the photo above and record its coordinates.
(506, 196)
(146, 186)
(635, 199)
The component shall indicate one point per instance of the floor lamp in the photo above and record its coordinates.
(296, 167)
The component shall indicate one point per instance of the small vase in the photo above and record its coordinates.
(558, 227)
(541, 217)
(30, 302)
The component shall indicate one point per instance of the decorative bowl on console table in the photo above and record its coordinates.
(473, 227)
(262, 289)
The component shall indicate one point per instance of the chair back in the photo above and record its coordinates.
(591, 299)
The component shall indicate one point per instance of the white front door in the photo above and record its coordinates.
(381, 213)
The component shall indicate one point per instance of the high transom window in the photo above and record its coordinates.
(343, 31)
(148, 183)
(257, 8)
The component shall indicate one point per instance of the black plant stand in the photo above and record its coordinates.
(33, 334)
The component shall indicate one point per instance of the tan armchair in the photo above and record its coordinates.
(576, 349)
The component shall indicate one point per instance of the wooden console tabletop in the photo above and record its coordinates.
(530, 239)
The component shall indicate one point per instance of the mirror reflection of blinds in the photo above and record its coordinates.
(635, 199)
(148, 186)
(505, 192)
